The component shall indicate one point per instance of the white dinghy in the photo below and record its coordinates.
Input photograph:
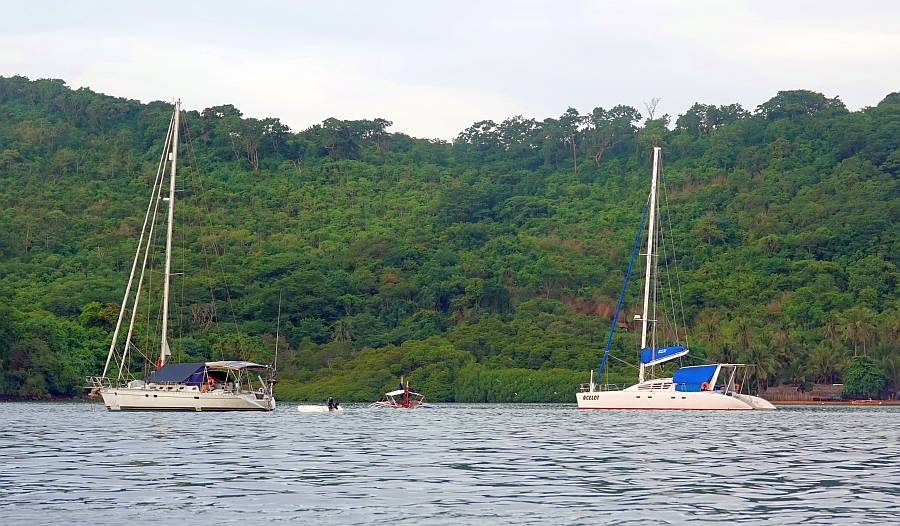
(708, 386)
(330, 407)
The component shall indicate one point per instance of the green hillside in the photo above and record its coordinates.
(485, 269)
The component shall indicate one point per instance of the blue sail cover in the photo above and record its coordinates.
(185, 373)
(690, 378)
(648, 356)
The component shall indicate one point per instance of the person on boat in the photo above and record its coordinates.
(331, 404)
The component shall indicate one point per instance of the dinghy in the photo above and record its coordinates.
(330, 407)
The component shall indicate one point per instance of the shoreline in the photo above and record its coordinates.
(834, 402)
(774, 402)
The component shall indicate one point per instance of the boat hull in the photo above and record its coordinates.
(671, 400)
(318, 409)
(130, 399)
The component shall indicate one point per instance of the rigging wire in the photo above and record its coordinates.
(120, 359)
(675, 259)
(634, 249)
(671, 303)
(196, 182)
(181, 303)
(148, 247)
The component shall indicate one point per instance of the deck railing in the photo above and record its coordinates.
(586, 388)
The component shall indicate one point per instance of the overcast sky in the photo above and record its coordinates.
(435, 67)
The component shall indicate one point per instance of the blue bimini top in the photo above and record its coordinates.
(691, 378)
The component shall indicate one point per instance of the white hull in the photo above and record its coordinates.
(188, 398)
(318, 409)
(634, 398)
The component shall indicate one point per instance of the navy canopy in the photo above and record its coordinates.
(647, 355)
(691, 378)
(186, 373)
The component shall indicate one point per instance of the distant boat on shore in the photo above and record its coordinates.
(708, 386)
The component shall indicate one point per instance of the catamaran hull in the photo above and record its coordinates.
(116, 399)
(673, 400)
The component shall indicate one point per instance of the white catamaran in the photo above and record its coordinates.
(199, 386)
(709, 386)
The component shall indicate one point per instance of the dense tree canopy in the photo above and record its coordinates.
(485, 269)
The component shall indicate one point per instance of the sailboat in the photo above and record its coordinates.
(231, 385)
(706, 386)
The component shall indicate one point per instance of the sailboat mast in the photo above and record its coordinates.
(164, 346)
(651, 241)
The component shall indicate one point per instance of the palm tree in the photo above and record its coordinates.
(891, 365)
(889, 328)
(708, 328)
(743, 331)
(832, 328)
(859, 327)
(760, 360)
(824, 364)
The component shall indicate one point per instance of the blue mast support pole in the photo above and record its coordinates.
(637, 241)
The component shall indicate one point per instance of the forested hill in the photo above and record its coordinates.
(485, 269)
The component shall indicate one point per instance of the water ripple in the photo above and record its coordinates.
(461, 464)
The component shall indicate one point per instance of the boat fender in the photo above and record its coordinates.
(704, 386)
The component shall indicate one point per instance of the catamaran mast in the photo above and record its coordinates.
(651, 241)
(164, 346)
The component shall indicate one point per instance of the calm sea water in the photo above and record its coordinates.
(64, 463)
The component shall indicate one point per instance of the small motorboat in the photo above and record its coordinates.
(401, 398)
(330, 407)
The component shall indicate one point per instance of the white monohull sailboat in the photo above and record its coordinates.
(708, 386)
(200, 386)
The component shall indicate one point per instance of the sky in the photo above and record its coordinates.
(435, 67)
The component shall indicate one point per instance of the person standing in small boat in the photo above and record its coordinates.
(333, 405)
